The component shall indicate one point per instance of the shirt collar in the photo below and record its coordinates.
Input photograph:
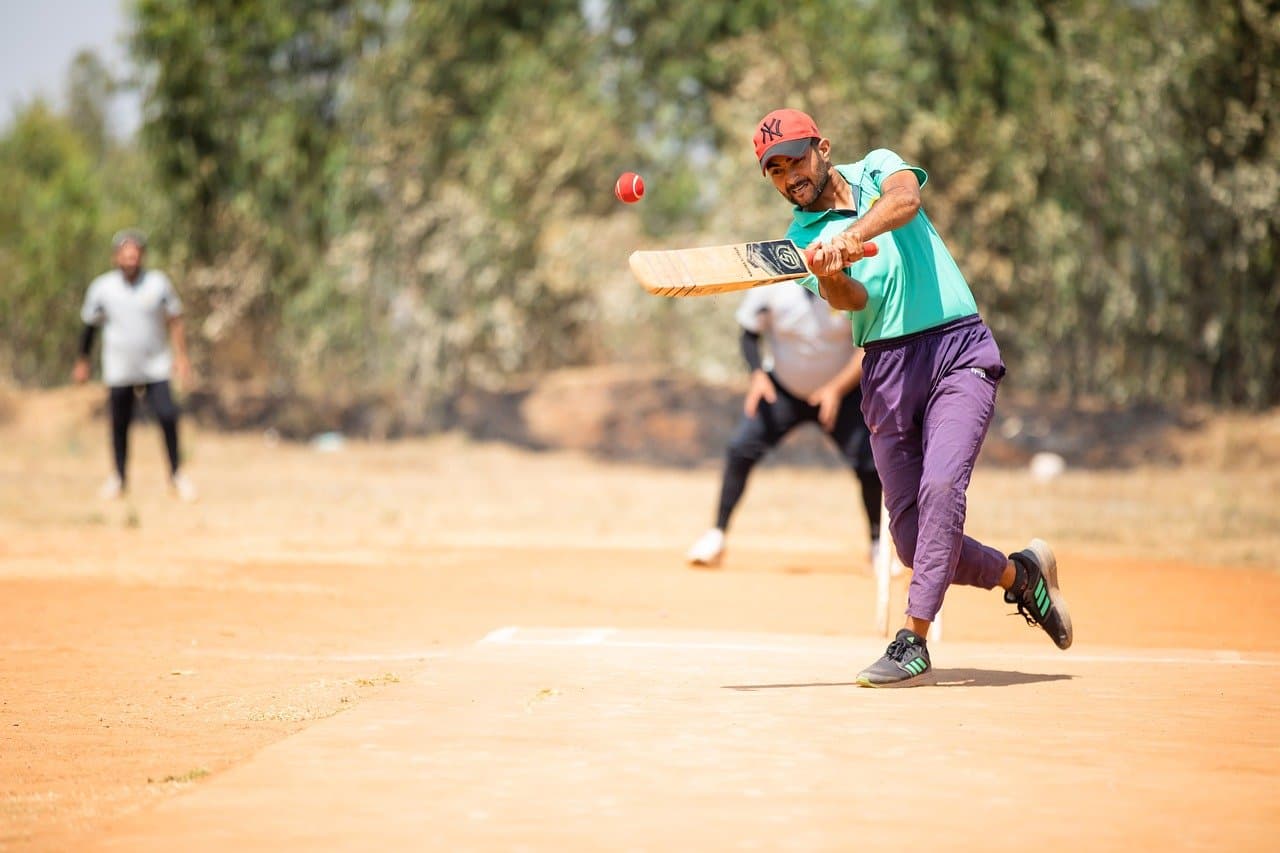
(142, 274)
(806, 218)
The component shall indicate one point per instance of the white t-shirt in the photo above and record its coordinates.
(134, 319)
(808, 342)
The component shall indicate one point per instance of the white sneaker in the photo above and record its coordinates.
(112, 489)
(184, 488)
(708, 550)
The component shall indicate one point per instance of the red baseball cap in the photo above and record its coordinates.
(784, 132)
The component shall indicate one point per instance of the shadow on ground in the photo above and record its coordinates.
(942, 678)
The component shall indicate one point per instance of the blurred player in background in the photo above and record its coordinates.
(929, 376)
(143, 341)
(813, 377)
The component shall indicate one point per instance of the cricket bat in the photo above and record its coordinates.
(721, 269)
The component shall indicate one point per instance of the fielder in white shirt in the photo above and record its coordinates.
(812, 375)
(142, 343)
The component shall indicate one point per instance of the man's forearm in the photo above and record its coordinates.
(842, 293)
(895, 208)
(178, 337)
(751, 350)
(86, 339)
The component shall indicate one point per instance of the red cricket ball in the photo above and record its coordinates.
(630, 188)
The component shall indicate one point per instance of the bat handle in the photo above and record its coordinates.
(869, 250)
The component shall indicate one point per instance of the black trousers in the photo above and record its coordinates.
(122, 400)
(756, 436)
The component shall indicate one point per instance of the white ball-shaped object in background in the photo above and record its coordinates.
(1047, 466)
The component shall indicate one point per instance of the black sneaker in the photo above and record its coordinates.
(904, 664)
(1039, 600)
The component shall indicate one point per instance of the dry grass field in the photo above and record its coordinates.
(149, 647)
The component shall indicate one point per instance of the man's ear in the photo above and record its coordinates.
(824, 147)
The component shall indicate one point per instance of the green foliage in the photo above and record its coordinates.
(240, 122)
(417, 195)
(57, 211)
(461, 173)
(89, 88)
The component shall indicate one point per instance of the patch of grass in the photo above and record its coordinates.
(546, 694)
(73, 446)
(385, 678)
(185, 778)
(291, 714)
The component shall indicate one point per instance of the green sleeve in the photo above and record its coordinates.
(882, 163)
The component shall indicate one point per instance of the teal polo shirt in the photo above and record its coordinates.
(913, 283)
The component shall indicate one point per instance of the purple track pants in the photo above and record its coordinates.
(928, 399)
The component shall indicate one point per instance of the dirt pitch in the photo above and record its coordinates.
(450, 644)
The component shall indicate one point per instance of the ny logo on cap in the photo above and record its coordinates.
(771, 129)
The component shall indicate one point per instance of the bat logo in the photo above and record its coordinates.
(776, 258)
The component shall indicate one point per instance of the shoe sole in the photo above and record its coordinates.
(923, 679)
(713, 563)
(1049, 565)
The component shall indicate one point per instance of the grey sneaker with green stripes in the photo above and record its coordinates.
(905, 663)
(1036, 592)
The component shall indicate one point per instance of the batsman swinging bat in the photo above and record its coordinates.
(721, 269)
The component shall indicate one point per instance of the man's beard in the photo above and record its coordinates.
(824, 176)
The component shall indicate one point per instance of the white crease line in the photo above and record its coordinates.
(1222, 657)
(570, 637)
(501, 635)
(599, 636)
(1217, 659)
(240, 655)
(594, 636)
(726, 647)
(343, 658)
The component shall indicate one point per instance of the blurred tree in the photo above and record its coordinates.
(418, 194)
(65, 187)
(478, 134)
(240, 121)
(50, 242)
(90, 87)
(1224, 94)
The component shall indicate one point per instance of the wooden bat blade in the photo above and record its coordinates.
(717, 269)
(721, 269)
